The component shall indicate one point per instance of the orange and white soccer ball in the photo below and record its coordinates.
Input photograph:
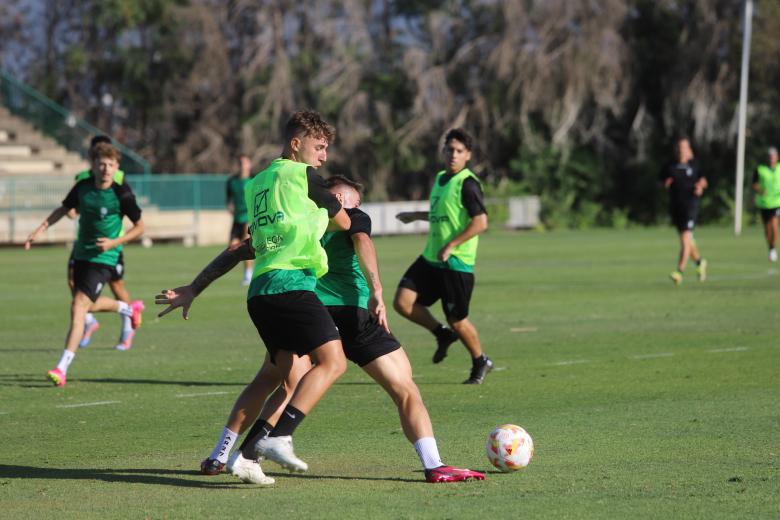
(509, 447)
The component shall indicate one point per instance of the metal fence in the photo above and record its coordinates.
(59, 123)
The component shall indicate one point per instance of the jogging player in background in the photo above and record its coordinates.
(101, 204)
(352, 293)
(766, 184)
(290, 207)
(236, 204)
(685, 184)
(116, 284)
(445, 271)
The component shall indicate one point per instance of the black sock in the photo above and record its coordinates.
(698, 262)
(290, 419)
(477, 361)
(439, 330)
(260, 429)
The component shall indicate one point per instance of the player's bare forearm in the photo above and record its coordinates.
(49, 221)
(222, 264)
(135, 232)
(477, 225)
(366, 254)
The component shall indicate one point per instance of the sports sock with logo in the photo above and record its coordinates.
(65, 360)
(124, 308)
(259, 430)
(289, 420)
(221, 451)
(428, 452)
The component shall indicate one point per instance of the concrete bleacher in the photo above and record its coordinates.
(24, 151)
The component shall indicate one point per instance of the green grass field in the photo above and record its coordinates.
(644, 400)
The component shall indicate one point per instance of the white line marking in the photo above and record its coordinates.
(499, 369)
(97, 403)
(572, 362)
(653, 356)
(202, 393)
(523, 329)
(4, 413)
(735, 349)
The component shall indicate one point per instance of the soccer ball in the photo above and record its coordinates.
(509, 447)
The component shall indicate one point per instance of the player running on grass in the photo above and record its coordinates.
(236, 204)
(290, 206)
(116, 284)
(101, 203)
(766, 184)
(445, 270)
(352, 293)
(685, 185)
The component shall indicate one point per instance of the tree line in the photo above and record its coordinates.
(577, 102)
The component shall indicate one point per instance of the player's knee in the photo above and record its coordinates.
(401, 307)
(458, 324)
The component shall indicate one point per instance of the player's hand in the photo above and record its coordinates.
(406, 217)
(30, 239)
(698, 190)
(377, 307)
(175, 298)
(444, 253)
(105, 244)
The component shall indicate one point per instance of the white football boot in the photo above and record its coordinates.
(247, 470)
(280, 450)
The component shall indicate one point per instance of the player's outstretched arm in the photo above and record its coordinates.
(366, 254)
(224, 262)
(52, 219)
(478, 224)
(411, 216)
(701, 185)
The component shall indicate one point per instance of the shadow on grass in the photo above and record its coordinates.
(159, 477)
(130, 476)
(21, 379)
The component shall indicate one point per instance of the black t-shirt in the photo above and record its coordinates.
(684, 178)
(470, 196)
(320, 194)
(361, 222)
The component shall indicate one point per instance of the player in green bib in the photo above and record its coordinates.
(766, 184)
(290, 209)
(101, 204)
(236, 203)
(116, 284)
(445, 271)
(352, 292)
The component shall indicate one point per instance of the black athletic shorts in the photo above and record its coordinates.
(364, 339)
(294, 321)
(90, 278)
(238, 231)
(684, 216)
(768, 214)
(117, 272)
(431, 283)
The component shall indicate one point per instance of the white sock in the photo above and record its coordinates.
(223, 447)
(90, 319)
(428, 452)
(127, 323)
(124, 308)
(248, 273)
(65, 360)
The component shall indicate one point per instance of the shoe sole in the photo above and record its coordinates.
(55, 379)
(286, 465)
